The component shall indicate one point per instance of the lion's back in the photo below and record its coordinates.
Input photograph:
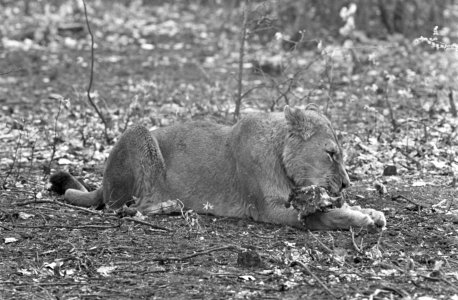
(211, 136)
(218, 164)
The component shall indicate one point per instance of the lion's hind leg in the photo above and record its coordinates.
(62, 181)
(135, 169)
(74, 191)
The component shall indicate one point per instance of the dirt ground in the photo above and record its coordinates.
(145, 74)
(64, 253)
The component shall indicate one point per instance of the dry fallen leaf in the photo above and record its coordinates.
(25, 216)
(106, 270)
(247, 277)
(10, 240)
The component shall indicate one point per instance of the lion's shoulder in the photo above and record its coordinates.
(259, 124)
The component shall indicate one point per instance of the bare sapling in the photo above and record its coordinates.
(238, 101)
(88, 91)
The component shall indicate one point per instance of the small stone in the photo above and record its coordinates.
(380, 187)
(360, 197)
(452, 216)
(126, 212)
(249, 259)
(390, 171)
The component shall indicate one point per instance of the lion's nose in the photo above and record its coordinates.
(344, 177)
(345, 182)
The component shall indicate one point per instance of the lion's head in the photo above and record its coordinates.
(312, 154)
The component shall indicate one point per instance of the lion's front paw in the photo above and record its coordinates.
(360, 220)
(371, 219)
(378, 220)
(346, 217)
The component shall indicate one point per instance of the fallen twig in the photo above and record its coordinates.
(89, 226)
(305, 267)
(147, 224)
(6, 228)
(391, 289)
(320, 242)
(94, 212)
(441, 278)
(379, 239)
(358, 249)
(402, 271)
(203, 252)
(416, 162)
(410, 201)
(15, 283)
(391, 266)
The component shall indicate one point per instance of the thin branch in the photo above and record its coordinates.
(241, 57)
(32, 154)
(379, 239)
(431, 110)
(15, 283)
(396, 290)
(10, 171)
(320, 242)
(54, 142)
(203, 252)
(410, 201)
(358, 249)
(94, 212)
(416, 162)
(329, 75)
(305, 267)
(90, 226)
(290, 81)
(452, 103)
(6, 228)
(252, 89)
(11, 71)
(147, 224)
(390, 109)
(88, 91)
(282, 94)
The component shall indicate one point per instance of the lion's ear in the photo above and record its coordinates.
(294, 116)
(299, 122)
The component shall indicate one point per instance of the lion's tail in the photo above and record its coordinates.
(75, 192)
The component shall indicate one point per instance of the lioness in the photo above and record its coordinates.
(244, 171)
